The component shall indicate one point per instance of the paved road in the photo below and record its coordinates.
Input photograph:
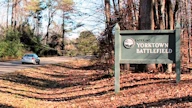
(12, 66)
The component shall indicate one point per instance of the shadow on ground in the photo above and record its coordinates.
(83, 78)
(101, 66)
(161, 103)
(5, 106)
(45, 84)
(57, 79)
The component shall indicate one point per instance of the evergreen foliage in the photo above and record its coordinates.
(10, 46)
(87, 43)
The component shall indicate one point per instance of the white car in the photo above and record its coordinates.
(30, 58)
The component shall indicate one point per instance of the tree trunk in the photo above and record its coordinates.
(15, 13)
(63, 34)
(7, 14)
(108, 21)
(161, 24)
(135, 14)
(145, 13)
(109, 38)
(12, 14)
(107, 12)
(130, 14)
(146, 22)
(161, 11)
(48, 25)
(170, 19)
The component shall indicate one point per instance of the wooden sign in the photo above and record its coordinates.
(146, 47)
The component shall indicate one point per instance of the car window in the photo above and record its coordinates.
(31, 55)
(28, 55)
(35, 56)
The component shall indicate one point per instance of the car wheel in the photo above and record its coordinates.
(22, 63)
(37, 63)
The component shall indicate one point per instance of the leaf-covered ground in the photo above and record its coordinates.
(79, 84)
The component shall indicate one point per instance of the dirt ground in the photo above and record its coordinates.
(80, 84)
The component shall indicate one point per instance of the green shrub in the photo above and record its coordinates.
(10, 46)
(87, 43)
(11, 49)
(13, 35)
(3, 48)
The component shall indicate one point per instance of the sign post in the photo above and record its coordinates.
(178, 63)
(146, 47)
(117, 58)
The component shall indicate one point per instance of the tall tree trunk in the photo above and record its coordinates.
(50, 20)
(15, 13)
(7, 13)
(170, 14)
(135, 14)
(161, 11)
(108, 21)
(63, 34)
(170, 19)
(156, 13)
(107, 12)
(12, 14)
(109, 33)
(145, 13)
(190, 27)
(49, 23)
(130, 14)
(161, 23)
(176, 10)
(146, 22)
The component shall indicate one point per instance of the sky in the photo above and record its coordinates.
(94, 18)
(2, 14)
(91, 16)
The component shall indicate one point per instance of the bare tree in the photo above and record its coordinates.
(50, 13)
(65, 7)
